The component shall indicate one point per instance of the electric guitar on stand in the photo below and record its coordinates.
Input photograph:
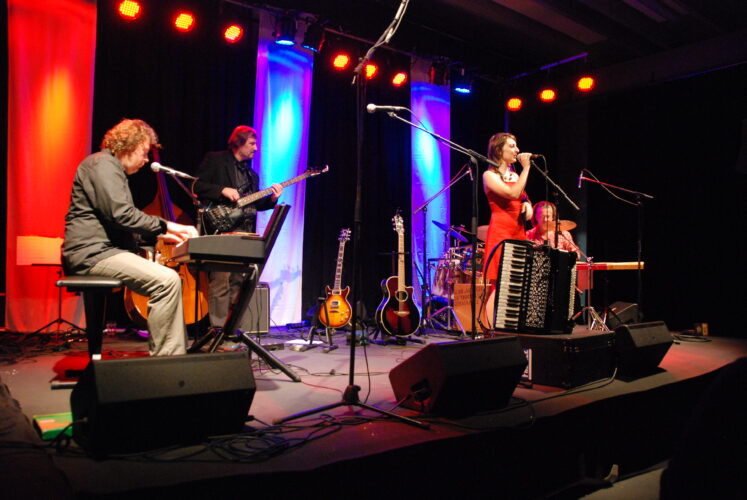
(224, 218)
(335, 312)
(397, 314)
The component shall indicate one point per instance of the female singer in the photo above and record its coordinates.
(509, 205)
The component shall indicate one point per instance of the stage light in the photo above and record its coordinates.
(462, 82)
(547, 95)
(585, 83)
(340, 61)
(514, 104)
(233, 33)
(129, 9)
(285, 30)
(439, 72)
(371, 70)
(184, 21)
(399, 79)
(313, 39)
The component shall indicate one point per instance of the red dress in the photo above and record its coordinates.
(505, 223)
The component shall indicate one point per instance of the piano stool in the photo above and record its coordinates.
(95, 291)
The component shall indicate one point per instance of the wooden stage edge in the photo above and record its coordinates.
(547, 439)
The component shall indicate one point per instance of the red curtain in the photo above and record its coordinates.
(51, 48)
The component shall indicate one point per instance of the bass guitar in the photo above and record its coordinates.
(224, 218)
(397, 314)
(335, 312)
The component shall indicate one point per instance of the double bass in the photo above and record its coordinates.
(194, 297)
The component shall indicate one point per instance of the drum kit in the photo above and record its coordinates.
(455, 265)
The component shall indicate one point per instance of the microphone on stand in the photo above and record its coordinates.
(373, 108)
(580, 178)
(157, 167)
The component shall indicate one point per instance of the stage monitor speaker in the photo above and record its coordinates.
(640, 347)
(460, 378)
(621, 313)
(256, 317)
(138, 404)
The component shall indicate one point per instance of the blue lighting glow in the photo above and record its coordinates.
(462, 90)
(430, 168)
(282, 41)
(281, 115)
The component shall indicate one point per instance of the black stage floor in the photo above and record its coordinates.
(547, 439)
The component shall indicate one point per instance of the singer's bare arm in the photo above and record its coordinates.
(492, 181)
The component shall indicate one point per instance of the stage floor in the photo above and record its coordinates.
(536, 443)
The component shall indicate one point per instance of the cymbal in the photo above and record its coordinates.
(450, 231)
(565, 225)
(482, 233)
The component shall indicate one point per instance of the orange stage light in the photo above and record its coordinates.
(233, 33)
(184, 21)
(399, 79)
(585, 83)
(514, 104)
(547, 95)
(371, 70)
(341, 61)
(128, 9)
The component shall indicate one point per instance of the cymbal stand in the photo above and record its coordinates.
(447, 310)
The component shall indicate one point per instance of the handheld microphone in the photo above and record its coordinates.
(373, 108)
(157, 167)
(580, 178)
(534, 156)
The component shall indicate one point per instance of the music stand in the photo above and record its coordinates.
(41, 251)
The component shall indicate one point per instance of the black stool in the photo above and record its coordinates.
(95, 290)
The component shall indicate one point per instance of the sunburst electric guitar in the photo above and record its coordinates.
(397, 314)
(335, 312)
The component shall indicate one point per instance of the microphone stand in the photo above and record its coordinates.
(473, 158)
(639, 244)
(350, 395)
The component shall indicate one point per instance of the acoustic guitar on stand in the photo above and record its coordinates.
(397, 314)
(336, 310)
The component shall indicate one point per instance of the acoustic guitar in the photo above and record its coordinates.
(336, 310)
(223, 218)
(397, 314)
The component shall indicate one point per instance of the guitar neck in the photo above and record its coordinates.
(401, 262)
(251, 198)
(338, 269)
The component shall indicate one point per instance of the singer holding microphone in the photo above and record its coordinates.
(509, 205)
(100, 228)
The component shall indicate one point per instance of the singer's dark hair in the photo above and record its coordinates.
(239, 136)
(496, 143)
(124, 137)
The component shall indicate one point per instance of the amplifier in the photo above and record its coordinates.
(256, 317)
(568, 360)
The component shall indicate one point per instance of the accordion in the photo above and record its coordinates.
(535, 289)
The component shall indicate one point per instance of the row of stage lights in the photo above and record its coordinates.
(314, 38)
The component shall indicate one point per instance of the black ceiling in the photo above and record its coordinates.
(503, 38)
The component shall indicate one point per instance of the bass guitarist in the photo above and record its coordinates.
(225, 176)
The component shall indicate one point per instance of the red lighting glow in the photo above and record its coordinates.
(399, 79)
(585, 83)
(184, 21)
(128, 9)
(233, 33)
(341, 61)
(547, 95)
(371, 70)
(514, 104)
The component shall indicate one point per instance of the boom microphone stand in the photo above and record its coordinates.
(350, 395)
(639, 243)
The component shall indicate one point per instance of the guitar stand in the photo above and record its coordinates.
(393, 339)
(330, 346)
